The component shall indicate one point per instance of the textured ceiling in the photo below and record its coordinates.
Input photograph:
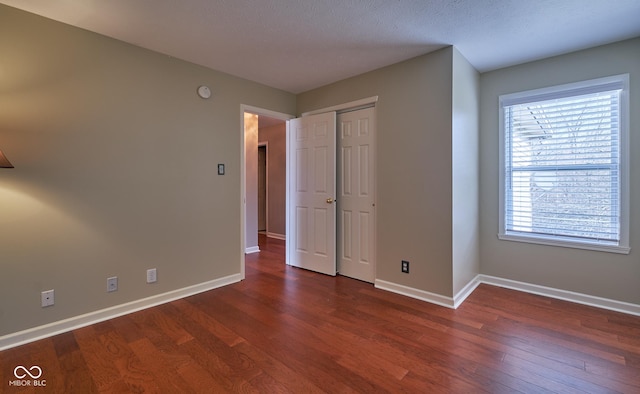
(297, 45)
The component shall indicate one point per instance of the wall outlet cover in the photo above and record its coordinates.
(47, 298)
(112, 284)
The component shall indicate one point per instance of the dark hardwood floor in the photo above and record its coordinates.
(287, 330)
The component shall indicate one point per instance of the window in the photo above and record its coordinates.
(564, 163)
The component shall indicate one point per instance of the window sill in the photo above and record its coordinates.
(541, 240)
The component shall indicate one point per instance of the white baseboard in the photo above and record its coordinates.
(277, 236)
(252, 249)
(465, 292)
(415, 293)
(458, 299)
(579, 298)
(59, 327)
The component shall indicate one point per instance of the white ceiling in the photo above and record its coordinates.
(297, 45)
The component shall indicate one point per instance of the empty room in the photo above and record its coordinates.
(426, 196)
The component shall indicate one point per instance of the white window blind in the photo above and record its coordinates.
(562, 164)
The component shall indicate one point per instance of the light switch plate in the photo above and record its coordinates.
(151, 275)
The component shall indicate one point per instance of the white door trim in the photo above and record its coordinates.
(243, 172)
(352, 106)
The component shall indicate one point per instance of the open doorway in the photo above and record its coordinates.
(362, 241)
(266, 179)
(268, 129)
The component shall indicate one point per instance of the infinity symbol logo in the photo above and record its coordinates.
(26, 371)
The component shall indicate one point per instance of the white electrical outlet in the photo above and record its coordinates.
(112, 284)
(47, 298)
(151, 275)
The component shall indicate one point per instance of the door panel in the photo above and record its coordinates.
(356, 204)
(312, 186)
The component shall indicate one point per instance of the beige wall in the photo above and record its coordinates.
(414, 173)
(115, 159)
(277, 160)
(608, 275)
(465, 161)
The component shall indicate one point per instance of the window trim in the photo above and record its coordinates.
(560, 91)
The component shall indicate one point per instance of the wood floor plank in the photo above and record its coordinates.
(543, 339)
(164, 373)
(288, 330)
(72, 365)
(219, 370)
(510, 380)
(573, 372)
(280, 372)
(209, 323)
(110, 361)
(599, 337)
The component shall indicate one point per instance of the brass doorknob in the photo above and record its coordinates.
(330, 200)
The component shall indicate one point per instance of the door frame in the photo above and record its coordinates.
(348, 106)
(243, 173)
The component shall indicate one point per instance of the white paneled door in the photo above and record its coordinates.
(356, 196)
(311, 234)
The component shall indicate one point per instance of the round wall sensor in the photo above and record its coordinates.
(204, 92)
